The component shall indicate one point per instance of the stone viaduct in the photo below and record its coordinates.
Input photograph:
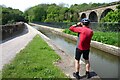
(96, 15)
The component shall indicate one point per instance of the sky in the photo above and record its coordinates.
(25, 4)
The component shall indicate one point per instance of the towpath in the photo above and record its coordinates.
(10, 48)
(13, 46)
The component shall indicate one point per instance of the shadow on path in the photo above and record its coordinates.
(92, 74)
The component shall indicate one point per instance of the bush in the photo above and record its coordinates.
(110, 38)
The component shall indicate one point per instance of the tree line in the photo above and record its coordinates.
(10, 16)
(58, 13)
(54, 13)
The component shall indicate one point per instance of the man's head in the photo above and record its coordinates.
(85, 21)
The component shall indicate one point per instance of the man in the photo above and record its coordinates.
(83, 45)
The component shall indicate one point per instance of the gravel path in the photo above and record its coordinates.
(11, 47)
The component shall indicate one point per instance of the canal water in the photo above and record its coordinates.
(104, 64)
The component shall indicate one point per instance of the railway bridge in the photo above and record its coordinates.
(96, 15)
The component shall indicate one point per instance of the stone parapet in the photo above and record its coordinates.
(98, 45)
(10, 30)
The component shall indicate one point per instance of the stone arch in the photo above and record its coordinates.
(105, 12)
(83, 16)
(93, 16)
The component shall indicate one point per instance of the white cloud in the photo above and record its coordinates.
(24, 4)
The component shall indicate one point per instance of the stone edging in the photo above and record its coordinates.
(101, 46)
(66, 64)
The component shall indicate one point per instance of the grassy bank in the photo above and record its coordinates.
(104, 37)
(35, 61)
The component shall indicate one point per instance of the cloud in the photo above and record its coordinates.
(24, 4)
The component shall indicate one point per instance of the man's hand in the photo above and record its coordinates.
(78, 23)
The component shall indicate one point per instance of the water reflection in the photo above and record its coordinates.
(104, 64)
(65, 44)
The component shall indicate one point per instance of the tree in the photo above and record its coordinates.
(10, 15)
(36, 13)
(62, 16)
(57, 13)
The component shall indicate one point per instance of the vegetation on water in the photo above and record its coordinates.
(107, 37)
(104, 37)
(35, 61)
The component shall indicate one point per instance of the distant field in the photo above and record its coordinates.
(104, 37)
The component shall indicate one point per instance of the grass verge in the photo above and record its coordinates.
(35, 61)
(110, 38)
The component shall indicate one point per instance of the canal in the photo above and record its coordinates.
(104, 64)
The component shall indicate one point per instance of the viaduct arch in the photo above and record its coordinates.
(105, 13)
(97, 14)
(93, 16)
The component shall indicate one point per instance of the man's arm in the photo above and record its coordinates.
(75, 28)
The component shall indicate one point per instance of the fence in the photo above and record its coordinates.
(104, 27)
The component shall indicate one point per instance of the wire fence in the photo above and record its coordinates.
(103, 27)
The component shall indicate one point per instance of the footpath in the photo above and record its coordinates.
(13, 46)
(10, 48)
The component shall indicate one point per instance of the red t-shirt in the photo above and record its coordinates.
(85, 37)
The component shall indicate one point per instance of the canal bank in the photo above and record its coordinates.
(66, 64)
(101, 46)
(104, 64)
